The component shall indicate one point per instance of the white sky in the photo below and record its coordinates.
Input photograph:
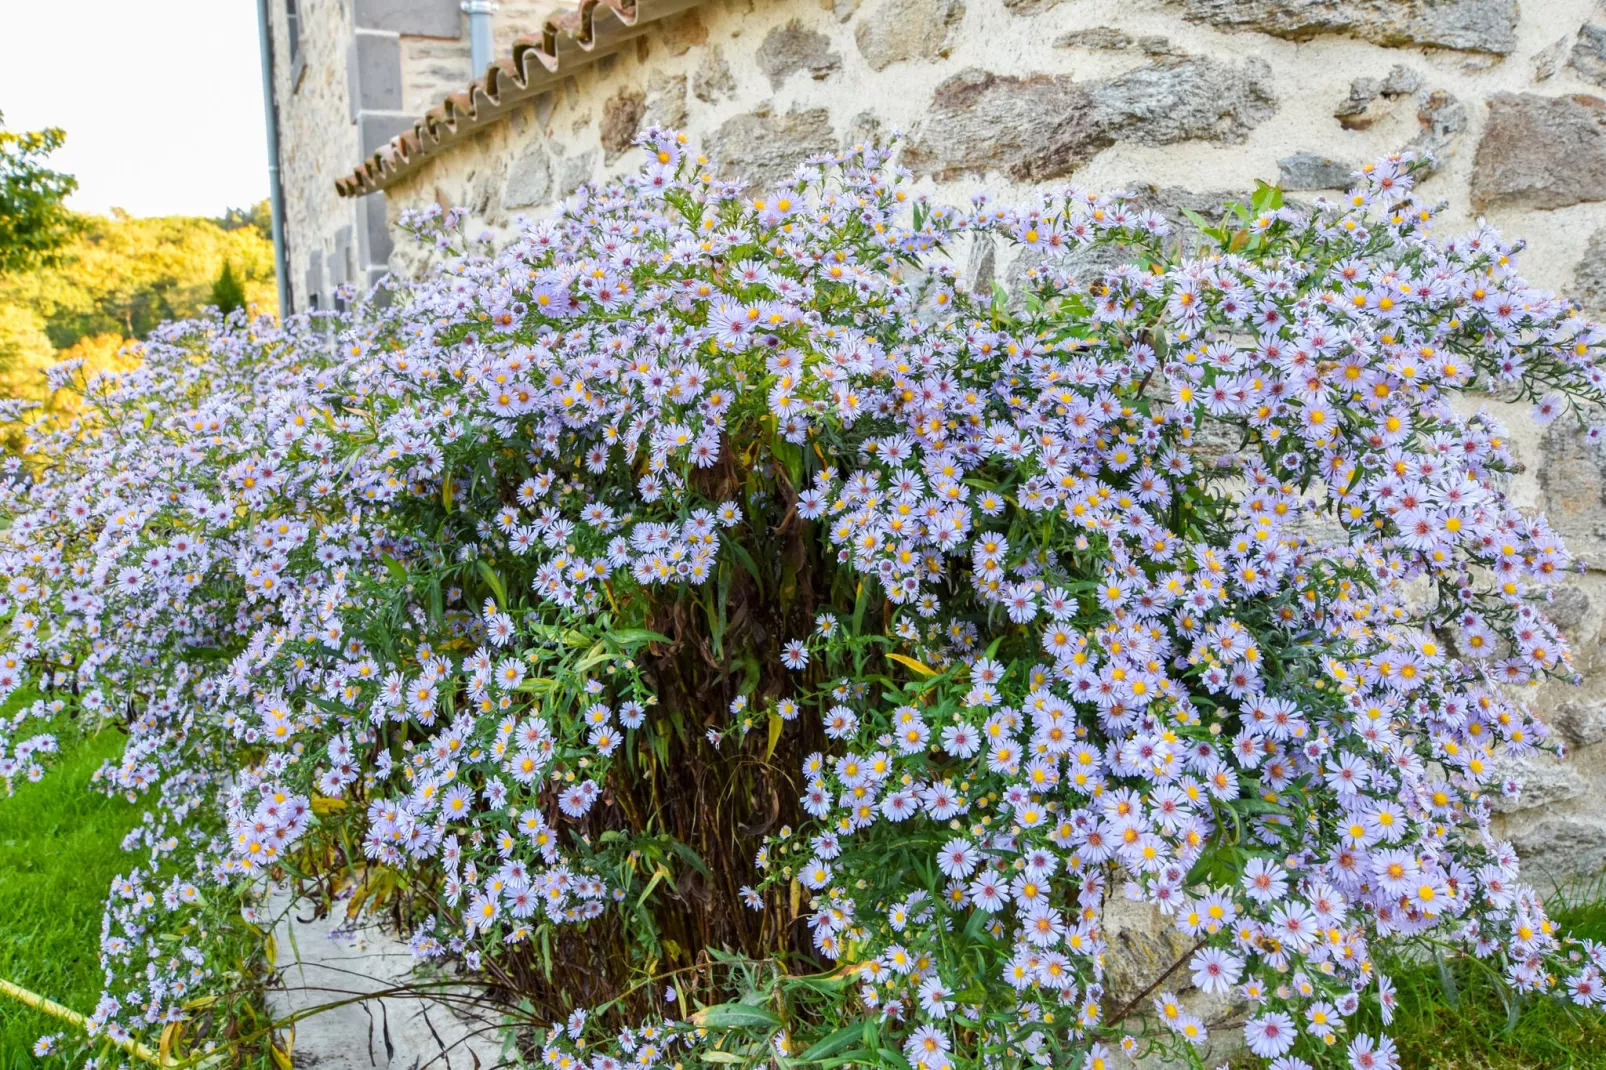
(161, 99)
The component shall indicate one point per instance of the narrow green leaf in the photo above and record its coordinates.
(631, 638)
(833, 1043)
(736, 1016)
(893, 1060)
(691, 858)
(493, 581)
(745, 559)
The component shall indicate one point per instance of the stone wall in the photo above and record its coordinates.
(1185, 100)
(316, 135)
(358, 73)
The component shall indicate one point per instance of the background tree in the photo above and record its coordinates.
(118, 278)
(227, 292)
(258, 217)
(34, 219)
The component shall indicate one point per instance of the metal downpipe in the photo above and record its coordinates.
(270, 111)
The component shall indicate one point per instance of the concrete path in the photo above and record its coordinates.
(322, 964)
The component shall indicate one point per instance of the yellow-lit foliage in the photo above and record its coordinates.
(117, 281)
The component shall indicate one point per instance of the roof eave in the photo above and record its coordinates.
(568, 40)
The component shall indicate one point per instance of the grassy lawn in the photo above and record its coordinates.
(1468, 1024)
(58, 854)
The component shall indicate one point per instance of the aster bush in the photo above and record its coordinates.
(736, 642)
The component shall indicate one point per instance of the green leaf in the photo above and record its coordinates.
(691, 858)
(1267, 198)
(861, 602)
(791, 458)
(1260, 806)
(833, 1043)
(658, 874)
(437, 609)
(721, 1057)
(1197, 220)
(594, 657)
(894, 1060)
(493, 581)
(856, 1057)
(631, 638)
(735, 1016)
(723, 584)
(745, 559)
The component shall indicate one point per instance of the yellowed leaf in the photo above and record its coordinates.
(910, 663)
(776, 724)
(164, 1048)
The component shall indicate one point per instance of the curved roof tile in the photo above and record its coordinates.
(569, 38)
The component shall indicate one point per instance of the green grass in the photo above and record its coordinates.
(1475, 1022)
(58, 854)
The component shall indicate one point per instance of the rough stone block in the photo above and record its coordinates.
(1546, 780)
(1589, 275)
(621, 118)
(1144, 946)
(1572, 482)
(1443, 120)
(1549, 60)
(900, 30)
(575, 171)
(1096, 39)
(764, 148)
(1467, 25)
(712, 80)
(1370, 98)
(684, 32)
(1030, 7)
(666, 101)
(1582, 723)
(1044, 126)
(1588, 56)
(1541, 152)
(790, 48)
(1557, 849)
(1312, 170)
(529, 179)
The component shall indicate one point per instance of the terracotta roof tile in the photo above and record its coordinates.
(572, 37)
